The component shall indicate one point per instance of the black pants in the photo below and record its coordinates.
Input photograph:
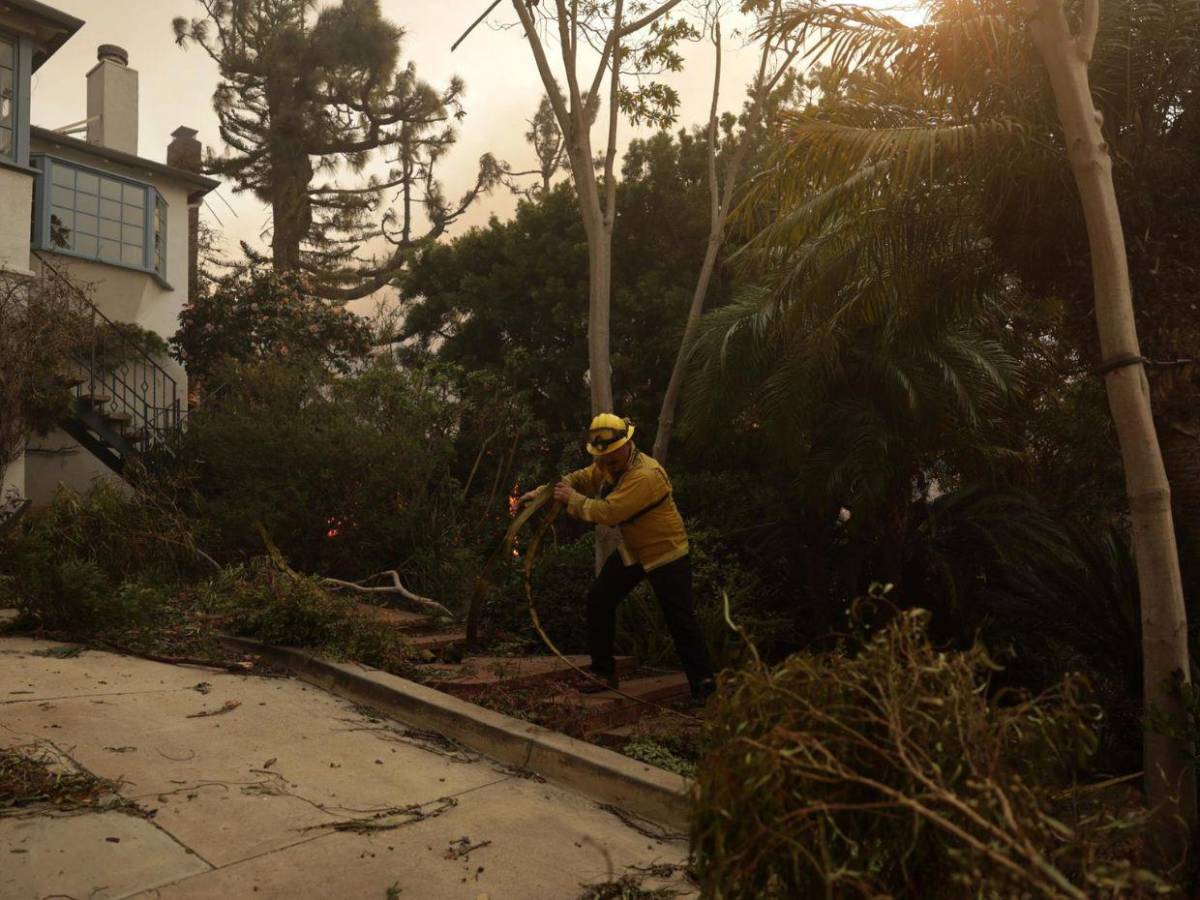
(672, 585)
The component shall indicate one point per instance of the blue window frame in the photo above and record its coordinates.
(16, 58)
(89, 213)
(8, 97)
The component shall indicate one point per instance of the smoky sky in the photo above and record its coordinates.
(502, 88)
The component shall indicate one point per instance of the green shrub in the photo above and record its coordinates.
(348, 475)
(890, 772)
(291, 610)
(95, 560)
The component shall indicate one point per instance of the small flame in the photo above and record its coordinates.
(514, 499)
(337, 526)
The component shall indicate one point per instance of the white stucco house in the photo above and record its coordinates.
(81, 204)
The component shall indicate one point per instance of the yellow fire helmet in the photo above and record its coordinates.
(608, 433)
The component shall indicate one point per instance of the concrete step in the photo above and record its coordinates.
(96, 400)
(607, 710)
(478, 673)
(118, 419)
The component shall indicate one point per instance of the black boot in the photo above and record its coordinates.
(701, 692)
(605, 683)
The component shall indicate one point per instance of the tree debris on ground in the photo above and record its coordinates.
(227, 706)
(392, 818)
(38, 779)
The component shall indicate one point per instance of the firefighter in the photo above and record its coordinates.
(625, 488)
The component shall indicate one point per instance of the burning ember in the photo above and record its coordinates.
(337, 526)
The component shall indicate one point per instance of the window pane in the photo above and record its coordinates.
(110, 230)
(6, 96)
(134, 196)
(87, 182)
(86, 224)
(132, 234)
(64, 217)
(133, 255)
(86, 244)
(110, 250)
(7, 54)
(134, 216)
(110, 189)
(64, 176)
(87, 203)
(61, 196)
(110, 209)
(5, 141)
(61, 232)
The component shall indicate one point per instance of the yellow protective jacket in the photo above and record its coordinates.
(640, 503)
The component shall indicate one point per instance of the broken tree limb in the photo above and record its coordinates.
(14, 516)
(396, 588)
(360, 586)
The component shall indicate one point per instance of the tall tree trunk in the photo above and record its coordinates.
(1170, 784)
(717, 214)
(720, 205)
(1181, 455)
(599, 313)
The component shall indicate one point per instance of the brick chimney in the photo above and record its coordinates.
(184, 152)
(112, 101)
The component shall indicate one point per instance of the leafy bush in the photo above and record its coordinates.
(1052, 595)
(260, 314)
(94, 560)
(892, 773)
(349, 475)
(263, 602)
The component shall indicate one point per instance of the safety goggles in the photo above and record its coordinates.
(603, 438)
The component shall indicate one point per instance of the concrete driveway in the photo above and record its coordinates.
(267, 787)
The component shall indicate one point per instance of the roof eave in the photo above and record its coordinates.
(62, 26)
(201, 184)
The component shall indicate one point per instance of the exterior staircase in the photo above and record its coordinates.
(606, 718)
(123, 402)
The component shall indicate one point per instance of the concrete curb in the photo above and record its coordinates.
(593, 771)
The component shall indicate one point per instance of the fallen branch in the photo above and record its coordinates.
(396, 588)
(228, 706)
(380, 821)
(14, 516)
(241, 667)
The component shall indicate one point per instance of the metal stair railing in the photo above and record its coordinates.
(133, 384)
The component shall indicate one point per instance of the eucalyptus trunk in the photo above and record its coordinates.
(1180, 438)
(1169, 781)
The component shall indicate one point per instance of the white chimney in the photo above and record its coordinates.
(112, 101)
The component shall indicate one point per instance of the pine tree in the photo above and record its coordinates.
(307, 100)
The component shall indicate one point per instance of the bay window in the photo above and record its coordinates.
(92, 214)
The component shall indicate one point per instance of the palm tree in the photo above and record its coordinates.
(966, 105)
(869, 372)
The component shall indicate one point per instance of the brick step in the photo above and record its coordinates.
(478, 673)
(608, 710)
(647, 727)
(400, 618)
(441, 640)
